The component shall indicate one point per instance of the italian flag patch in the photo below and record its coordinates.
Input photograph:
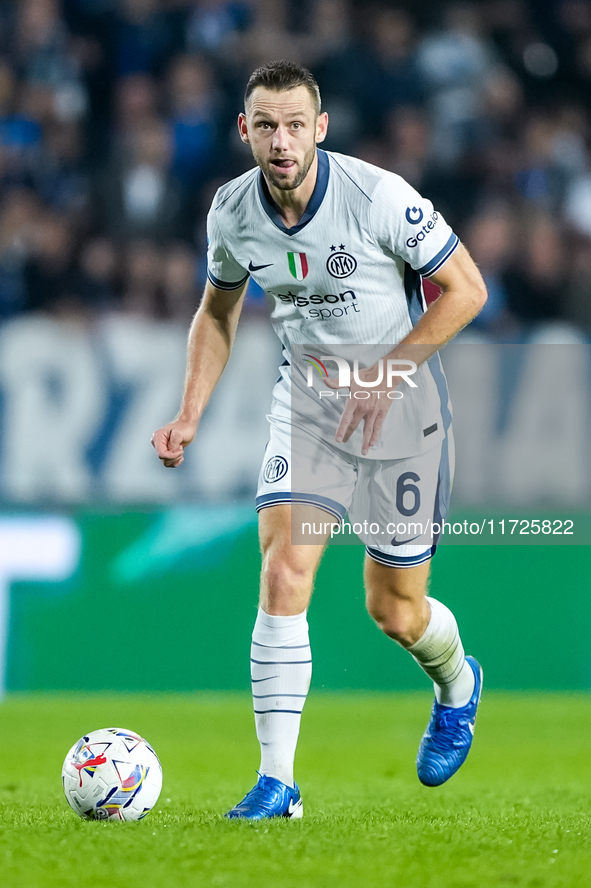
(298, 265)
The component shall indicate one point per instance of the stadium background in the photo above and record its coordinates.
(116, 126)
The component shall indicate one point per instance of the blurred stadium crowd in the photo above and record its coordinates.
(117, 123)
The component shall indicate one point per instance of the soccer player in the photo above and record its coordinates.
(340, 248)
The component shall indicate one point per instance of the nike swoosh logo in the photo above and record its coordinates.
(471, 726)
(293, 808)
(252, 267)
(395, 542)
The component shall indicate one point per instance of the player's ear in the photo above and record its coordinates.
(321, 127)
(242, 127)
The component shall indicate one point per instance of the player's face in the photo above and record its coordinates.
(282, 128)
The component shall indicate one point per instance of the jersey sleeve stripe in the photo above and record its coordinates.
(224, 285)
(441, 257)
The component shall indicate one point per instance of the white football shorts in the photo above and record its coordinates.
(396, 507)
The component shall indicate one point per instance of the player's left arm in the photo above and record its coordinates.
(463, 294)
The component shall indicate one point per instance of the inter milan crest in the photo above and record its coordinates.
(340, 264)
(298, 265)
(275, 469)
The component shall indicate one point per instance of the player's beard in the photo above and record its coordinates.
(285, 184)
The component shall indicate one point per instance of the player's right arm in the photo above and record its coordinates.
(210, 341)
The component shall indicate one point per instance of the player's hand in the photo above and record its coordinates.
(371, 410)
(170, 442)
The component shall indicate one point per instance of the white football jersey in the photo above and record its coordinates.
(349, 274)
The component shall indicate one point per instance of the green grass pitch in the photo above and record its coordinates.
(518, 813)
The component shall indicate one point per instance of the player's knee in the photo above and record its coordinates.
(285, 587)
(405, 631)
(283, 574)
(403, 622)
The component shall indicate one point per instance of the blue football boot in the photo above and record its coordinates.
(269, 798)
(448, 737)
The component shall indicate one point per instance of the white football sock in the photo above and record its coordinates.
(281, 668)
(440, 654)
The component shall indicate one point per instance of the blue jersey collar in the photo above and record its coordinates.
(272, 210)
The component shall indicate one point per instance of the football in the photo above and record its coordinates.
(112, 774)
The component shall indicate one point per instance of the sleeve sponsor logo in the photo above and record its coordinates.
(414, 215)
(424, 231)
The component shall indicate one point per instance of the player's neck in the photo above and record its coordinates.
(292, 204)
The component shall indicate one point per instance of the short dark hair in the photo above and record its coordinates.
(281, 76)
